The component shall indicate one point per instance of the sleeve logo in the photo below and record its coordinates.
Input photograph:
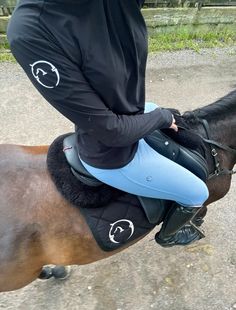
(45, 73)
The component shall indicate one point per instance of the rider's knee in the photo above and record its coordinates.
(200, 194)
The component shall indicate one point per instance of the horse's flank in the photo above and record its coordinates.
(37, 226)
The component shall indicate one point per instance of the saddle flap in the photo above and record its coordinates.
(155, 209)
(189, 159)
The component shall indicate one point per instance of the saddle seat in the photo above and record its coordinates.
(160, 142)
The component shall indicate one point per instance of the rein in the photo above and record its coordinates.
(218, 170)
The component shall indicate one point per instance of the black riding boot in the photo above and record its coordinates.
(177, 228)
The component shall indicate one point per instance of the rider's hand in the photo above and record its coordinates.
(173, 125)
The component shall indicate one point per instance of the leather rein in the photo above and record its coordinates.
(213, 144)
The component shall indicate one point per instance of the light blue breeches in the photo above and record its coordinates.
(152, 175)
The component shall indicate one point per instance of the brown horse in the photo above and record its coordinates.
(39, 227)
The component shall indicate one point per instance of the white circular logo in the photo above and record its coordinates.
(121, 231)
(45, 73)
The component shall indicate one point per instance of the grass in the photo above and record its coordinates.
(182, 39)
(6, 57)
(171, 41)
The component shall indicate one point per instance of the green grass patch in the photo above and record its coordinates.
(170, 41)
(4, 44)
(183, 39)
(6, 56)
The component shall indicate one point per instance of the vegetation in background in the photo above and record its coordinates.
(171, 41)
(183, 39)
(6, 56)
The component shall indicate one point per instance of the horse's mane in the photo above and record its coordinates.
(220, 109)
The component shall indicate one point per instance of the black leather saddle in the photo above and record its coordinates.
(164, 145)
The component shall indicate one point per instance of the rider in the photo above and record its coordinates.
(88, 59)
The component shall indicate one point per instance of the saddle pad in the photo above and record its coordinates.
(117, 224)
(118, 220)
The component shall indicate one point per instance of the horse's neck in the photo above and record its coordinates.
(224, 131)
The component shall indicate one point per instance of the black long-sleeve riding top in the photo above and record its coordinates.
(99, 48)
(115, 68)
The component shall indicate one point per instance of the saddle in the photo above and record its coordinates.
(164, 145)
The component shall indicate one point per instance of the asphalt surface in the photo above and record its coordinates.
(201, 276)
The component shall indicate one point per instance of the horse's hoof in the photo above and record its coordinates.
(46, 273)
(61, 272)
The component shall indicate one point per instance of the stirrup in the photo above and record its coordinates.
(197, 228)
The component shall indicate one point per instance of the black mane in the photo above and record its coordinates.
(224, 107)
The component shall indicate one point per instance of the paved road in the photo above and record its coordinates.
(199, 277)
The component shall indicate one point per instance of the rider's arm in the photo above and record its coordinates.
(87, 110)
(122, 130)
(75, 98)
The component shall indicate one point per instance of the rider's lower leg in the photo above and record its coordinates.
(177, 228)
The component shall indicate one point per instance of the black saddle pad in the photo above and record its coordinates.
(114, 217)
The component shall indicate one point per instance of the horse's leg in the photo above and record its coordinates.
(61, 272)
(46, 273)
(198, 218)
(217, 191)
(58, 272)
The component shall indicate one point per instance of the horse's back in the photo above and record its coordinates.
(20, 173)
(24, 156)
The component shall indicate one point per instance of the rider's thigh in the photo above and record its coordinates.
(150, 106)
(152, 175)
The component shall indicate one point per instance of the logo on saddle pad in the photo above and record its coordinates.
(121, 231)
(45, 73)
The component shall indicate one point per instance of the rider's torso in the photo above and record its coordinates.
(108, 41)
(105, 42)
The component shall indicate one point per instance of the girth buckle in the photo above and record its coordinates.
(214, 152)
